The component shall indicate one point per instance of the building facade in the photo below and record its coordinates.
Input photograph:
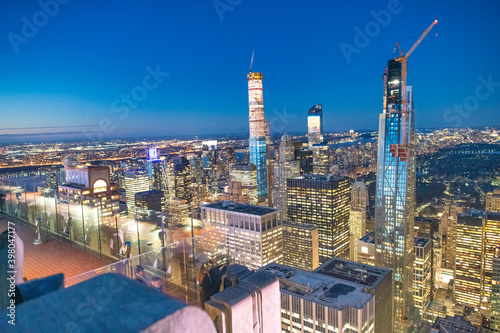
(366, 249)
(253, 233)
(322, 201)
(257, 141)
(495, 294)
(469, 260)
(300, 245)
(336, 297)
(493, 201)
(422, 273)
(288, 167)
(135, 181)
(357, 215)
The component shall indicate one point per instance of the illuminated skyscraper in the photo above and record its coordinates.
(493, 201)
(422, 273)
(324, 202)
(448, 229)
(300, 245)
(253, 233)
(321, 159)
(315, 125)
(395, 191)
(469, 259)
(495, 294)
(155, 170)
(357, 216)
(257, 142)
(491, 244)
(288, 167)
(135, 181)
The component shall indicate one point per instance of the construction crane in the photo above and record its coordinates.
(401, 150)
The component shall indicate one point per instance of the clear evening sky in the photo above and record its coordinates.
(162, 67)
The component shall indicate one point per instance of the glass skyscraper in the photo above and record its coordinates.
(257, 142)
(395, 191)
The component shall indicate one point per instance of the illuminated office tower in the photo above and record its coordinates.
(257, 142)
(315, 125)
(246, 174)
(339, 296)
(155, 170)
(270, 167)
(395, 191)
(469, 259)
(493, 201)
(448, 230)
(321, 159)
(288, 167)
(253, 233)
(422, 273)
(322, 201)
(182, 178)
(196, 169)
(495, 294)
(300, 245)
(135, 181)
(357, 215)
(491, 244)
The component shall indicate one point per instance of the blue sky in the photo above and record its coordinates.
(70, 73)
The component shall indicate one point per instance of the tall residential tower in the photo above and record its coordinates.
(395, 191)
(257, 142)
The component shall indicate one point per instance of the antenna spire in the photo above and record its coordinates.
(251, 61)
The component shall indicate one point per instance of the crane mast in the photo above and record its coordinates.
(402, 149)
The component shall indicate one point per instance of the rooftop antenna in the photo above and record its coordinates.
(251, 62)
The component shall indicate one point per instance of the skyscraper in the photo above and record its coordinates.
(300, 245)
(422, 273)
(288, 167)
(495, 294)
(469, 259)
(155, 170)
(253, 233)
(395, 190)
(357, 216)
(315, 125)
(491, 244)
(135, 181)
(257, 142)
(493, 201)
(324, 202)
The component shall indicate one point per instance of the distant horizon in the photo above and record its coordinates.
(186, 137)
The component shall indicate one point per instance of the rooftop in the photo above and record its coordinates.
(365, 275)
(241, 208)
(368, 238)
(327, 290)
(299, 225)
(472, 219)
(421, 241)
(320, 178)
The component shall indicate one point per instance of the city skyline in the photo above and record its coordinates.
(71, 86)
